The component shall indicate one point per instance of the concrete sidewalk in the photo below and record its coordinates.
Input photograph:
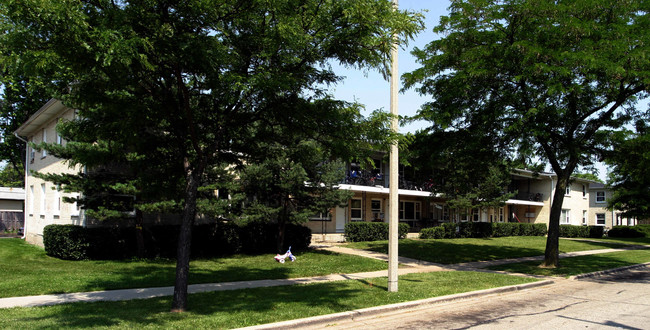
(407, 266)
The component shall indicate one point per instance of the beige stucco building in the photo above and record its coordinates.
(44, 203)
(584, 201)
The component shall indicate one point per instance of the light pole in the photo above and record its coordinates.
(393, 197)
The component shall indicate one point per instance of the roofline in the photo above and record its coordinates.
(51, 107)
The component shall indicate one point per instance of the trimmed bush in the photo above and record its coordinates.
(437, 232)
(482, 230)
(67, 242)
(571, 231)
(596, 231)
(209, 240)
(371, 231)
(626, 232)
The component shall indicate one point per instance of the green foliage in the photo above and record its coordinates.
(588, 176)
(572, 231)
(71, 242)
(371, 231)
(540, 79)
(627, 232)
(483, 230)
(629, 178)
(10, 177)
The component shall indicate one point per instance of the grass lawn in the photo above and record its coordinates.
(635, 240)
(580, 265)
(239, 308)
(451, 251)
(27, 270)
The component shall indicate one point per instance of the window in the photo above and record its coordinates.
(43, 151)
(600, 196)
(409, 211)
(600, 219)
(57, 202)
(475, 215)
(322, 216)
(501, 211)
(584, 217)
(565, 218)
(31, 200)
(568, 189)
(584, 191)
(355, 209)
(375, 208)
(463, 213)
(445, 213)
(42, 210)
(74, 210)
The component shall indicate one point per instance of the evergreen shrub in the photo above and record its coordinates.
(371, 231)
(626, 232)
(483, 230)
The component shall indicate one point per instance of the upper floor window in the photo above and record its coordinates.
(600, 196)
(43, 151)
(568, 190)
(584, 191)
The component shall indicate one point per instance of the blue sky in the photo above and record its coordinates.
(370, 88)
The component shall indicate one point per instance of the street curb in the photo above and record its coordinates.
(608, 271)
(365, 312)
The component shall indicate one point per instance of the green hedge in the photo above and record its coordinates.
(371, 231)
(77, 243)
(627, 232)
(571, 231)
(482, 230)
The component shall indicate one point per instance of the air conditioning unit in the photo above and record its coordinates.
(530, 215)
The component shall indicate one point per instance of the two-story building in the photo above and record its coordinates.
(584, 201)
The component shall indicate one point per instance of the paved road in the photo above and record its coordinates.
(620, 300)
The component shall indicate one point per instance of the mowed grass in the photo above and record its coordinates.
(239, 308)
(452, 251)
(27, 270)
(627, 241)
(581, 265)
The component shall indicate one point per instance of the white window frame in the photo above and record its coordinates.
(57, 202)
(584, 217)
(321, 216)
(604, 218)
(42, 208)
(565, 217)
(567, 191)
(353, 209)
(31, 200)
(417, 210)
(43, 151)
(376, 212)
(601, 199)
(584, 191)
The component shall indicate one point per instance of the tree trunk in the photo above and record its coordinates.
(179, 302)
(552, 252)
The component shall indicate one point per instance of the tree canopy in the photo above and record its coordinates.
(630, 178)
(181, 88)
(550, 78)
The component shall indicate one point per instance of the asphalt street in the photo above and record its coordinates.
(620, 300)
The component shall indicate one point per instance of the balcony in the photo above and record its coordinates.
(373, 178)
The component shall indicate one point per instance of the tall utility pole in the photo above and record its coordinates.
(393, 197)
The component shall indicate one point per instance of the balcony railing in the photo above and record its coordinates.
(373, 179)
(535, 197)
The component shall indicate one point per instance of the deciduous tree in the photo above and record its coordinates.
(549, 77)
(195, 77)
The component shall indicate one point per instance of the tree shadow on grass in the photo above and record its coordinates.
(224, 309)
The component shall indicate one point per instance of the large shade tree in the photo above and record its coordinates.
(195, 76)
(629, 178)
(552, 77)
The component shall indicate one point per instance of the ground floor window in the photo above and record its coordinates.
(501, 213)
(565, 217)
(355, 209)
(475, 215)
(584, 217)
(409, 211)
(322, 216)
(600, 219)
